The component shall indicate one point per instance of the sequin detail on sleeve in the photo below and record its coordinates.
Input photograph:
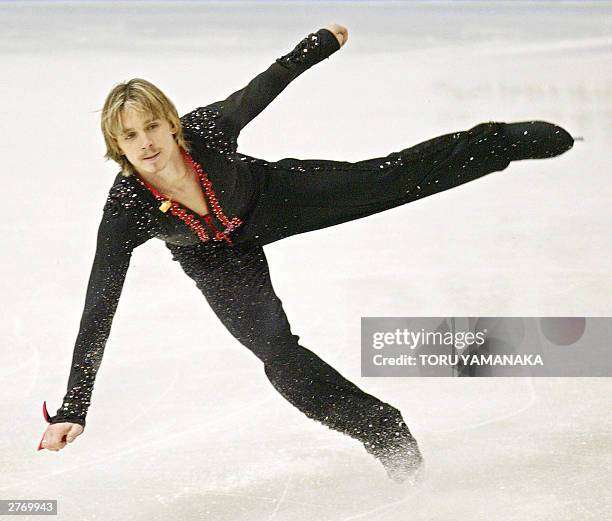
(204, 122)
(121, 197)
(303, 51)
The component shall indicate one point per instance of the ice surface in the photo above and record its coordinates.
(184, 425)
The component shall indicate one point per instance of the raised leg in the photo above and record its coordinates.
(305, 195)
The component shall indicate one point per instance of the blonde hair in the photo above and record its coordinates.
(145, 98)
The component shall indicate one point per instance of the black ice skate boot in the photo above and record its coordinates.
(391, 442)
(535, 140)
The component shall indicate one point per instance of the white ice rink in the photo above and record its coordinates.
(184, 424)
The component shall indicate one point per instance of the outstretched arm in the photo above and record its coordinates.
(118, 234)
(245, 104)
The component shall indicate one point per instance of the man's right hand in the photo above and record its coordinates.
(58, 434)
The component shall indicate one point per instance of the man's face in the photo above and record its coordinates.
(147, 143)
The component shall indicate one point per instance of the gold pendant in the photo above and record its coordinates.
(165, 206)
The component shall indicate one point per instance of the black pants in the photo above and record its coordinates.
(305, 195)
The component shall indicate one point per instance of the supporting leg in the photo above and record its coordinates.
(236, 283)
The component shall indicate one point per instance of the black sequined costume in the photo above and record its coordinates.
(253, 203)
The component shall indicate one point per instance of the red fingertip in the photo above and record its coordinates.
(48, 420)
(46, 413)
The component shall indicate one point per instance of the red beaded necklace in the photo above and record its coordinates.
(187, 217)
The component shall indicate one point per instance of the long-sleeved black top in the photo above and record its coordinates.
(131, 214)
